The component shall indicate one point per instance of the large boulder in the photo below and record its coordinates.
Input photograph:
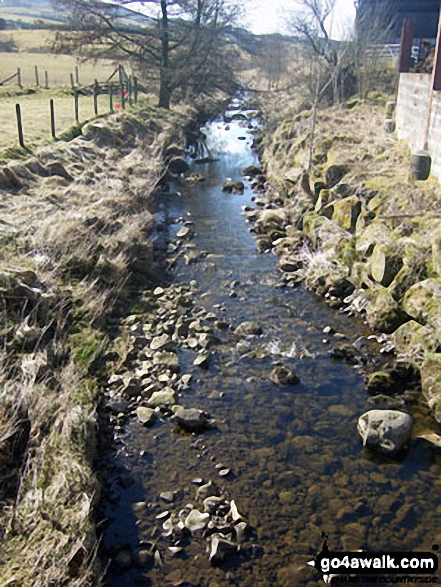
(346, 212)
(383, 312)
(431, 382)
(423, 300)
(385, 431)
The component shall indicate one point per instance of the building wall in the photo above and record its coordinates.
(411, 116)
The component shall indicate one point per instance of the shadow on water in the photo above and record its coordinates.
(298, 467)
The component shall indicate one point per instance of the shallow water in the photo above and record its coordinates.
(298, 467)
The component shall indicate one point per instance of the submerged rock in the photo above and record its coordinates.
(220, 549)
(165, 397)
(146, 416)
(192, 420)
(196, 520)
(248, 329)
(236, 187)
(385, 431)
(281, 375)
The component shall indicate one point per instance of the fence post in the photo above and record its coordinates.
(52, 118)
(37, 80)
(19, 125)
(77, 75)
(72, 84)
(46, 80)
(95, 97)
(135, 89)
(19, 77)
(77, 116)
(111, 96)
(123, 98)
(129, 90)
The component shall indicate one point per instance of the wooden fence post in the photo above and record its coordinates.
(19, 125)
(129, 90)
(95, 97)
(111, 96)
(37, 80)
(51, 103)
(19, 77)
(77, 75)
(72, 84)
(46, 80)
(77, 115)
(123, 98)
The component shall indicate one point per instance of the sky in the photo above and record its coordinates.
(271, 16)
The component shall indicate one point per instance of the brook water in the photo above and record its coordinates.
(297, 465)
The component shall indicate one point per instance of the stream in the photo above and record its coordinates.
(290, 455)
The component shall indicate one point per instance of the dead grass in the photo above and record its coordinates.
(71, 246)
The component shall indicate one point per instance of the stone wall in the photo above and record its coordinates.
(411, 116)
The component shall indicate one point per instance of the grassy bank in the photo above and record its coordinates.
(74, 234)
(347, 219)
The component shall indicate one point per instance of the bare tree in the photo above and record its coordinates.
(180, 46)
(311, 22)
(375, 24)
(273, 59)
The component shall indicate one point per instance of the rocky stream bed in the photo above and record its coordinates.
(230, 414)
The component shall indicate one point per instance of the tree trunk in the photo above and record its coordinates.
(164, 83)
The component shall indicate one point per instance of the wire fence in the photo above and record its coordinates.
(117, 92)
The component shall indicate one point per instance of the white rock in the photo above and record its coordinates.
(196, 520)
(165, 397)
(386, 431)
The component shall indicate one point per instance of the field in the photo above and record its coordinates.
(34, 50)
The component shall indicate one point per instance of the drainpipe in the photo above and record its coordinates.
(421, 162)
(435, 84)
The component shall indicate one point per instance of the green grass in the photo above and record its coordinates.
(59, 68)
(35, 113)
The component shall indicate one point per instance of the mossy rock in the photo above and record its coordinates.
(431, 382)
(403, 280)
(415, 340)
(359, 275)
(379, 381)
(346, 212)
(435, 258)
(178, 165)
(252, 171)
(383, 313)
(335, 173)
(372, 235)
(323, 200)
(384, 264)
(173, 150)
(323, 232)
(423, 300)
(236, 187)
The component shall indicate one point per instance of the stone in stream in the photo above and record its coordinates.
(146, 416)
(165, 397)
(207, 490)
(192, 419)
(281, 375)
(220, 549)
(248, 328)
(160, 343)
(236, 187)
(241, 531)
(184, 232)
(385, 431)
(202, 360)
(196, 520)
